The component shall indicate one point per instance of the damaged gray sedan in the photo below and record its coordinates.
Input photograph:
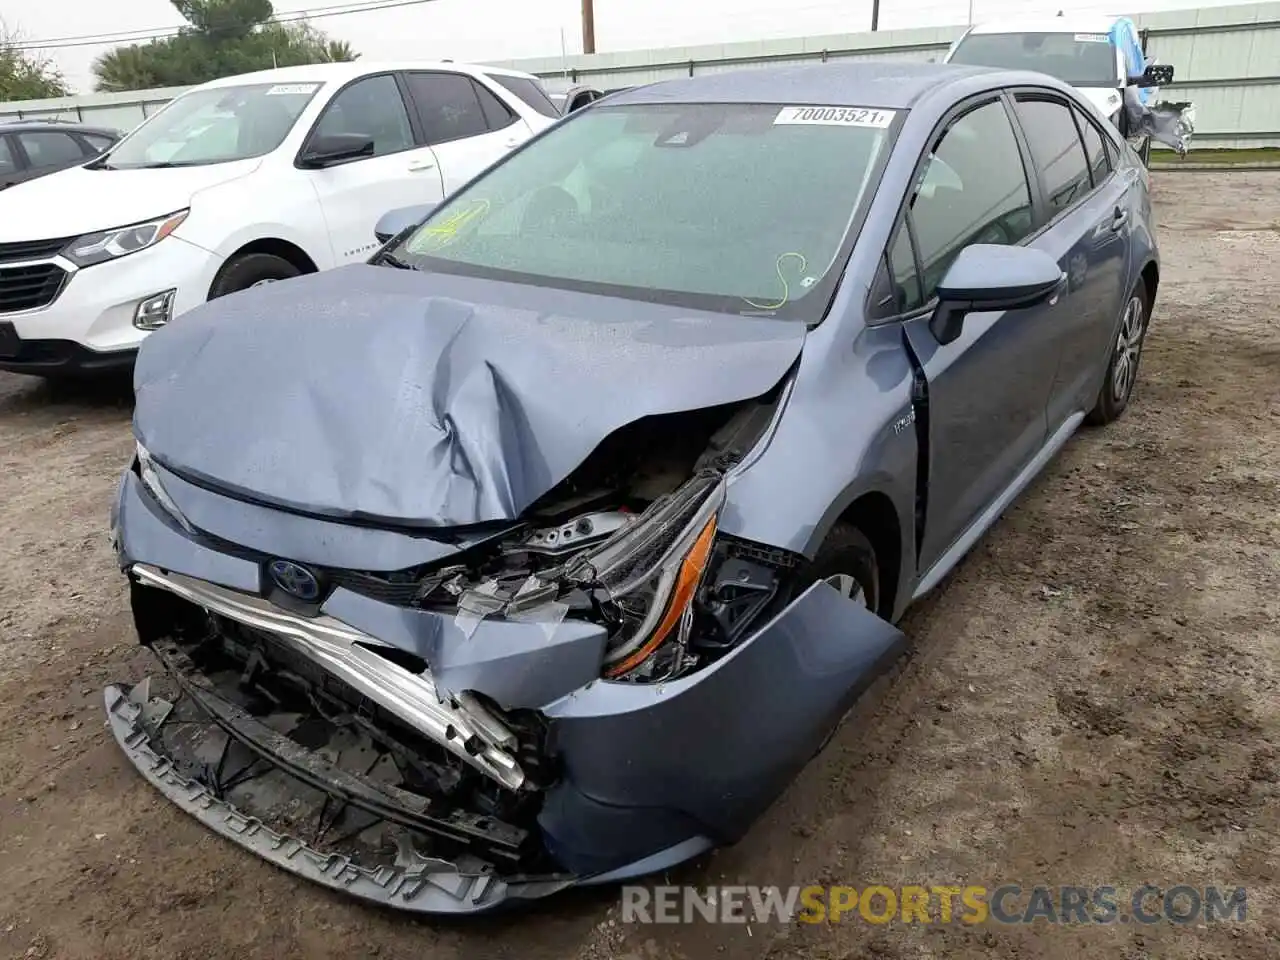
(548, 546)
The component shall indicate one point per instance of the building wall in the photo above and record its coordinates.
(1227, 62)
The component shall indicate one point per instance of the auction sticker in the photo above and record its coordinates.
(835, 117)
(292, 89)
(1092, 38)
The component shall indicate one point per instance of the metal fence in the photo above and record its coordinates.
(1227, 61)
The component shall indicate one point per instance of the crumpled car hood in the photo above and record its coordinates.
(426, 399)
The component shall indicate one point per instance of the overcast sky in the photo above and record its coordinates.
(507, 29)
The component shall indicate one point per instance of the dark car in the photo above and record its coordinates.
(32, 148)
(547, 547)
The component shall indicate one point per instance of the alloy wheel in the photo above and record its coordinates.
(1128, 350)
(848, 587)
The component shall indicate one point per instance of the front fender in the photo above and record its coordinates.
(847, 430)
(648, 766)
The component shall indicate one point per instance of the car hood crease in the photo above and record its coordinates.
(405, 398)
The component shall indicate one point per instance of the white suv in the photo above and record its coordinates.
(238, 182)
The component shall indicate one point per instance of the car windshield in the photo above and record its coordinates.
(1079, 59)
(216, 125)
(742, 208)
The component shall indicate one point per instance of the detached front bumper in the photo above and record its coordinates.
(644, 775)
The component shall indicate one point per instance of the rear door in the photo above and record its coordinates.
(354, 194)
(1087, 231)
(464, 122)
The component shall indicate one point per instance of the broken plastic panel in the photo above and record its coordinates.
(1169, 123)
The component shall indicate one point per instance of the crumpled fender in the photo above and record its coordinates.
(714, 748)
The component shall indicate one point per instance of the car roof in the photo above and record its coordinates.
(354, 69)
(29, 126)
(1075, 24)
(888, 84)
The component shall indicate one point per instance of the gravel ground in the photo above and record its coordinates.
(1090, 699)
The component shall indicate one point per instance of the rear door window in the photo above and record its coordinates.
(448, 106)
(1094, 149)
(1056, 148)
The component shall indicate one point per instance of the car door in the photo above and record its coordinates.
(987, 390)
(11, 162)
(48, 151)
(466, 124)
(1087, 233)
(354, 194)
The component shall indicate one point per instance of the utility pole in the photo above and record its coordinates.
(589, 26)
(875, 15)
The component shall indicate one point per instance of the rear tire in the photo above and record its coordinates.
(1126, 354)
(248, 270)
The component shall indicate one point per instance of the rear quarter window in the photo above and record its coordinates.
(529, 92)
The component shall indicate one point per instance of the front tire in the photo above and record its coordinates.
(250, 270)
(1126, 353)
(846, 561)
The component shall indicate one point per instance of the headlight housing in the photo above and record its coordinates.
(94, 248)
(651, 575)
(151, 480)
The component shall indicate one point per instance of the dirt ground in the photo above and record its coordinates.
(1091, 699)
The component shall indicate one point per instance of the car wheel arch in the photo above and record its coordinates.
(276, 247)
(273, 246)
(874, 512)
(1151, 278)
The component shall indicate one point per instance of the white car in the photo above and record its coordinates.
(241, 181)
(1084, 51)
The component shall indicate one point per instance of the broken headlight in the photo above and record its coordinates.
(151, 480)
(649, 577)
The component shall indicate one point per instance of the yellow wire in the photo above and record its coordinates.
(786, 287)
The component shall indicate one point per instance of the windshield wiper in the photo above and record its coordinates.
(391, 260)
(100, 164)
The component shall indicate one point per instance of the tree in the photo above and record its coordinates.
(25, 76)
(222, 38)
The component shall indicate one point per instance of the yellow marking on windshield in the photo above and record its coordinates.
(786, 287)
(440, 235)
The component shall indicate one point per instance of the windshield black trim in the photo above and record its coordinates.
(824, 292)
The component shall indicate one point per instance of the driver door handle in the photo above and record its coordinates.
(1120, 218)
(418, 166)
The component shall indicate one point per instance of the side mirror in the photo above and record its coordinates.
(1157, 75)
(330, 148)
(394, 222)
(986, 277)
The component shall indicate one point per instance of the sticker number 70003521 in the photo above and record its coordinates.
(835, 116)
